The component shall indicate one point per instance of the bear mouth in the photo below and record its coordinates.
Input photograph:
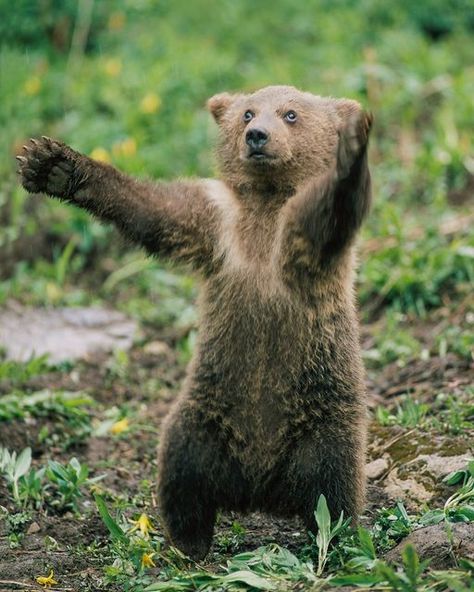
(259, 156)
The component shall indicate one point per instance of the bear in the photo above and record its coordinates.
(273, 411)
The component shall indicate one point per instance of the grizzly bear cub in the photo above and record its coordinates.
(272, 412)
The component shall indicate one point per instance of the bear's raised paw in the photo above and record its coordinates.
(47, 166)
(353, 138)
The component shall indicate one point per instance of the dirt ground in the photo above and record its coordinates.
(403, 463)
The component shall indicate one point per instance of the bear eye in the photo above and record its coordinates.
(290, 116)
(248, 116)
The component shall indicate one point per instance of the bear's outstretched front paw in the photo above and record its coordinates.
(353, 138)
(47, 166)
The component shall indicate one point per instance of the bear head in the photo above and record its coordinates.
(278, 136)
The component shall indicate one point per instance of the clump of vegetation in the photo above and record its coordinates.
(56, 485)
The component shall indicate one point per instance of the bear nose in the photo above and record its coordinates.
(256, 138)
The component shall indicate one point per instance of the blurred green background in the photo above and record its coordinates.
(127, 82)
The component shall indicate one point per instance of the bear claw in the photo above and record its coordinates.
(45, 166)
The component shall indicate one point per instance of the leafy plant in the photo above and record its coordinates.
(231, 540)
(407, 579)
(72, 421)
(266, 568)
(409, 414)
(326, 531)
(460, 506)
(17, 373)
(392, 343)
(14, 467)
(69, 480)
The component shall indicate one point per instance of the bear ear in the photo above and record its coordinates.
(347, 107)
(218, 105)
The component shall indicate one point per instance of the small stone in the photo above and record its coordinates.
(376, 468)
(33, 528)
(157, 348)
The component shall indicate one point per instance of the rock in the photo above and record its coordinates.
(421, 479)
(158, 348)
(434, 543)
(63, 333)
(406, 488)
(376, 468)
(33, 528)
(440, 466)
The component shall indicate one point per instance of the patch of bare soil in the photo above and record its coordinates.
(52, 542)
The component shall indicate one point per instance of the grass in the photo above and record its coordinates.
(134, 95)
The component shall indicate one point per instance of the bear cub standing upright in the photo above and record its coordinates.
(272, 412)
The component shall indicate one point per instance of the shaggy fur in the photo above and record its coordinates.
(272, 412)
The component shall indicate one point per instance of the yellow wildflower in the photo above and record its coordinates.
(113, 67)
(144, 525)
(32, 86)
(150, 103)
(147, 560)
(47, 581)
(127, 147)
(116, 21)
(53, 292)
(100, 154)
(120, 426)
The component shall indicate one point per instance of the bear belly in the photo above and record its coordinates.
(246, 375)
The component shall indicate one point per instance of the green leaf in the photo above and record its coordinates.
(171, 586)
(432, 517)
(323, 517)
(23, 463)
(194, 581)
(114, 529)
(361, 580)
(387, 573)
(470, 467)
(411, 563)
(466, 512)
(466, 564)
(58, 470)
(366, 542)
(75, 464)
(250, 578)
(454, 477)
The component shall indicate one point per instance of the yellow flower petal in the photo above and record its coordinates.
(47, 581)
(147, 560)
(120, 426)
(150, 103)
(116, 21)
(144, 525)
(100, 154)
(53, 292)
(32, 86)
(127, 147)
(113, 67)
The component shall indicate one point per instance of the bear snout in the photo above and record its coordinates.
(256, 138)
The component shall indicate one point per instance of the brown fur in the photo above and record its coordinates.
(272, 412)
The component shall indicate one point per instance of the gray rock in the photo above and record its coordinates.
(440, 466)
(433, 543)
(376, 468)
(63, 333)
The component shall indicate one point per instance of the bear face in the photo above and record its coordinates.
(278, 136)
